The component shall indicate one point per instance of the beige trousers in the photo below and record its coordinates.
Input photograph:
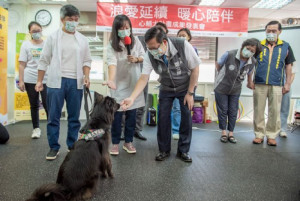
(261, 93)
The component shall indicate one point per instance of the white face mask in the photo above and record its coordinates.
(71, 26)
(247, 53)
(157, 52)
(182, 37)
(271, 37)
(123, 33)
(36, 36)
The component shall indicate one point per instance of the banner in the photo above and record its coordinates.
(202, 21)
(3, 65)
(22, 105)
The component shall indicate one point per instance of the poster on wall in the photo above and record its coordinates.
(3, 65)
(202, 21)
(22, 106)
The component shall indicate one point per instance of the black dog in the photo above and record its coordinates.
(79, 173)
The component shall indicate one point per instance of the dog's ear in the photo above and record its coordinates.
(98, 97)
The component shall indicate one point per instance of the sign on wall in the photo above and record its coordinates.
(3, 65)
(202, 21)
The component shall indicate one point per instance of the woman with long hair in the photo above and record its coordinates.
(123, 73)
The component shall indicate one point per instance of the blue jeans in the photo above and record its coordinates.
(55, 102)
(116, 128)
(285, 109)
(227, 107)
(175, 116)
(166, 99)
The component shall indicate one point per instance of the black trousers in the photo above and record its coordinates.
(227, 107)
(34, 102)
(164, 122)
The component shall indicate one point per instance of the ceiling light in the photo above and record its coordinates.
(211, 2)
(272, 4)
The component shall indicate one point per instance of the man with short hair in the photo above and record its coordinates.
(67, 58)
(274, 61)
(177, 64)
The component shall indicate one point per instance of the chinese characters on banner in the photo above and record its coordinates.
(3, 65)
(202, 21)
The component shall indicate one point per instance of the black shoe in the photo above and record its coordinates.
(185, 157)
(161, 156)
(122, 137)
(52, 154)
(139, 136)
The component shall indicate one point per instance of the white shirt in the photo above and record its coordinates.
(52, 57)
(190, 54)
(69, 49)
(30, 54)
(127, 73)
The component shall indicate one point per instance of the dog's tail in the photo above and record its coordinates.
(49, 192)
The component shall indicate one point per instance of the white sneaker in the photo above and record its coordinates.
(283, 134)
(175, 136)
(36, 133)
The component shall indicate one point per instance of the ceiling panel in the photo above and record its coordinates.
(260, 12)
(295, 5)
(239, 3)
(144, 1)
(185, 2)
(280, 14)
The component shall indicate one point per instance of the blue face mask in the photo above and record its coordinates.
(247, 53)
(123, 33)
(71, 26)
(271, 37)
(36, 36)
(157, 52)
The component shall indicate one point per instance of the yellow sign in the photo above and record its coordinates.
(22, 107)
(3, 65)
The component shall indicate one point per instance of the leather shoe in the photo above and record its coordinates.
(184, 157)
(139, 136)
(271, 142)
(258, 141)
(161, 156)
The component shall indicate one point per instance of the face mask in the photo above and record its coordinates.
(247, 53)
(36, 36)
(123, 33)
(271, 37)
(182, 37)
(157, 52)
(71, 26)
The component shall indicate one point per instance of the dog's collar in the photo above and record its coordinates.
(91, 134)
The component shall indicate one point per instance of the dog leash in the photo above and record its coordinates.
(86, 93)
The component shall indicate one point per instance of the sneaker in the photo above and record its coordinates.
(114, 149)
(175, 136)
(52, 154)
(36, 133)
(129, 148)
(283, 134)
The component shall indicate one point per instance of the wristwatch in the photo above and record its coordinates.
(191, 93)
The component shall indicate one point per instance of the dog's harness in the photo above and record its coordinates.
(91, 134)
